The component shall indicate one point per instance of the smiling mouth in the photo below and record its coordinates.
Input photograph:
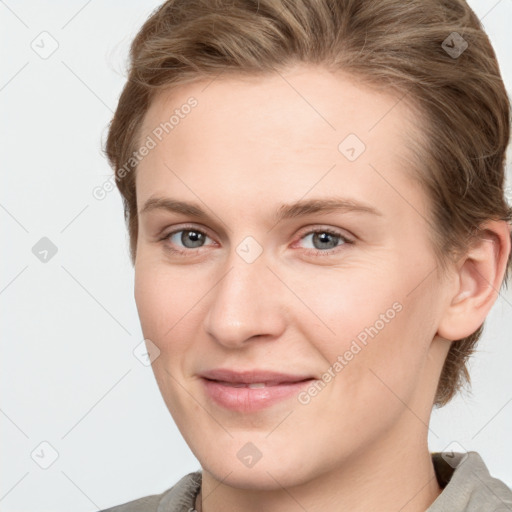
(252, 397)
(257, 385)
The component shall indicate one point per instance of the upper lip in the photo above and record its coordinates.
(252, 376)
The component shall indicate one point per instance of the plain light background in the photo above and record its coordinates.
(75, 398)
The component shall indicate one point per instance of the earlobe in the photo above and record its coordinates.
(478, 281)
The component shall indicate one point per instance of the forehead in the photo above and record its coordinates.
(287, 129)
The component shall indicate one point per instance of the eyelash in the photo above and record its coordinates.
(316, 252)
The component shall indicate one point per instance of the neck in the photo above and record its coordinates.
(198, 505)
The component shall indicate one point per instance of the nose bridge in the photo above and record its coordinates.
(244, 303)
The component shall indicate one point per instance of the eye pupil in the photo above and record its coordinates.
(195, 236)
(325, 238)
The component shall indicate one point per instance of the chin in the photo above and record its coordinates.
(264, 478)
(276, 468)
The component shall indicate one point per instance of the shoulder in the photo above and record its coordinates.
(146, 504)
(179, 497)
(467, 484)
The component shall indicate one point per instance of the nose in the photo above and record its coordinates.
(249, 301)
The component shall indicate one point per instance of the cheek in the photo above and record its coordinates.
(162, 301)
(367, 321)
(343, 306)
(148, 298)
(166, 316)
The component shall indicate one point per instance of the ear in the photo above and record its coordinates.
(477, 282)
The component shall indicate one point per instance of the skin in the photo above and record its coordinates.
(247, 147)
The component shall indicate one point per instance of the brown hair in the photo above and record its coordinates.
(406, 48)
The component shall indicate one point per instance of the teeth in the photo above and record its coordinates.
(254, 385)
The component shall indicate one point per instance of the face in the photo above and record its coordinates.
(341, 303)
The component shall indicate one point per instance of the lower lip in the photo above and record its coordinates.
(251, 399)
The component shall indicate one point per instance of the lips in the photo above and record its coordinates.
(247, 377)
(253, 390)
(252, 385)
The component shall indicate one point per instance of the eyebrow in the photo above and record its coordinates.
(285, 211)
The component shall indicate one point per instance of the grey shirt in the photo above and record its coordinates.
(465, 480)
